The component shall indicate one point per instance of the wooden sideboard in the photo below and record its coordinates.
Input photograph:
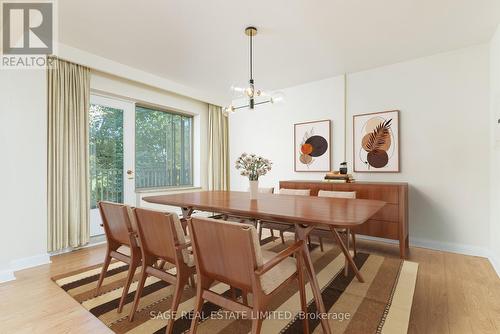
(391, 222)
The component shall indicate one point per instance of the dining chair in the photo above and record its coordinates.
(324, 232)
(119, 222)
(162, 238)
(230, 253)
(282, 227)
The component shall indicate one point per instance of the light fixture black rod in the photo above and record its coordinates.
(251, 55)
(247, 106)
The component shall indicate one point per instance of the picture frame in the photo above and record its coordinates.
(312, 146)
(376, 142)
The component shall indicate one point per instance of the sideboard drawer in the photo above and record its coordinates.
(378, 228)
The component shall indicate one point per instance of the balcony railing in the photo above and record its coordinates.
(107, 184)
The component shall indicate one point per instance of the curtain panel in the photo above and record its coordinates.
(218, 146)
(68, 155)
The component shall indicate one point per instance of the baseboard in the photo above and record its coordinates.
(23, 263)
(6, 276)
(94, 241)
(495, 263)
(29, 262)
(450, 247)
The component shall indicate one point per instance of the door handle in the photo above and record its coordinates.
(130, 174)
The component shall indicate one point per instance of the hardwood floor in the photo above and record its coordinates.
(454, 294)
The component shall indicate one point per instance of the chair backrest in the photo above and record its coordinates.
(337, 194)
(224, 251)
(116, 219)
(264, 190)
(302, 192)
(159, 232)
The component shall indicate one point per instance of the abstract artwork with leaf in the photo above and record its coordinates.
(312, 146)
(376, 142)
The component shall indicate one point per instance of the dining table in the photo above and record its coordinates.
(303, 212)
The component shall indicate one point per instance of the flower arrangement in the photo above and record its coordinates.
(253, 166)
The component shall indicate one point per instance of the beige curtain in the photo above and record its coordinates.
(68, 155)
(218, 149)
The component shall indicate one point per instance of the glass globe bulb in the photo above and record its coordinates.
(249, 91)
(277, 97)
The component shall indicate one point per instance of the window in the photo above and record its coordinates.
(163, 148)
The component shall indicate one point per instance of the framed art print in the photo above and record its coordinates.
(312, 146)
(376, 142)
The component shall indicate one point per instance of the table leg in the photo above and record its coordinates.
(301, 234)
(347, 254)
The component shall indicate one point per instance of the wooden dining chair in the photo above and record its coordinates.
(282, 227)
(230, 253)
(118, 222)
(162, 238)
(322, 232)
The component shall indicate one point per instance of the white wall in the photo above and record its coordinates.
(444, 139)
(23, 145)
(495, 148)
(23, 171)
(268, 130)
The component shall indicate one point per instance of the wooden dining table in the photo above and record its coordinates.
(304, 212)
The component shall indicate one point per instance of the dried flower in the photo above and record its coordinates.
(253, 166)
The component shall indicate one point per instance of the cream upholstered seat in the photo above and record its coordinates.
(279, 274)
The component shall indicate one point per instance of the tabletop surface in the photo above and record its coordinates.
(282, 208)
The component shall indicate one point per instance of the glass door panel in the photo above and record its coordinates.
(109, 151)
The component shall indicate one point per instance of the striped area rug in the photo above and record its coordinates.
(381, 305)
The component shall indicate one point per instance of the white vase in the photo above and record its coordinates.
(254, 189)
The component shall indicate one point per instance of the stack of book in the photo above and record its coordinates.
(336, 177)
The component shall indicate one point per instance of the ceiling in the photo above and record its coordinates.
(201, 44)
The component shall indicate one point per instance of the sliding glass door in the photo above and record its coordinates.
(111, 150)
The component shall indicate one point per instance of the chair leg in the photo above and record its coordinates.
(201, 284)
(244, 297)
(138, 293)
(134, 263)
(179, 287)
(354, 243)
(282, 237)
(107, 261)
(302, 290)
(260, 232)
(272, 232)
(256, 324)
(320, 239)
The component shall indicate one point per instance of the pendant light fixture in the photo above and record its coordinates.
(253, 95)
